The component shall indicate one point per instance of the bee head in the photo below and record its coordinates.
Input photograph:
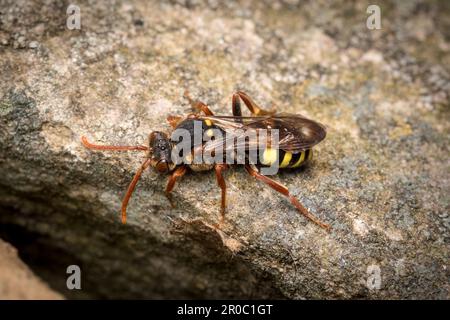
(160, 152)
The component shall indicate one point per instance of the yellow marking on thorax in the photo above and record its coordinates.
(286, 159)
(299, 161)
(270, 156)
(208, 122)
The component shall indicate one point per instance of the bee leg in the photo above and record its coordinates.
(173, 120)
(250, 104)
(198, 105)
(284, 191)
(89, 145)
(131, 187)
(219, 168)
(178, 173)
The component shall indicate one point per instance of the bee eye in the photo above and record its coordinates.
(162, 148)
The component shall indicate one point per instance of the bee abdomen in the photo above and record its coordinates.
(286, 159)
(300, 158)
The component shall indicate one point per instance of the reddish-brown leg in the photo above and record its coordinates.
(284, 191)
(178, 173)
(174, 120)
(198, 105)
(89, 145)
(131, 189)
(219, 168)
(251, 105)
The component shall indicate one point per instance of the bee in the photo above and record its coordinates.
(297, 135)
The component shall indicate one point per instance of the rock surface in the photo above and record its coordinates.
(17, 281)
(381, 178)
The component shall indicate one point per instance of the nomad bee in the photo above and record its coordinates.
(234, 136)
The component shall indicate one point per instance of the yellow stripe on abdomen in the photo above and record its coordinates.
(299, 161)
(286, 159)
(310, 155)
(270, 156)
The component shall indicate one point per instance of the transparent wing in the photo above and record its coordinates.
(296, 133)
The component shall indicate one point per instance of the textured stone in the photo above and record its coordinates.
(381, 178)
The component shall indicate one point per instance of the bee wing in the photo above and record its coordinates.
(296, 133)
